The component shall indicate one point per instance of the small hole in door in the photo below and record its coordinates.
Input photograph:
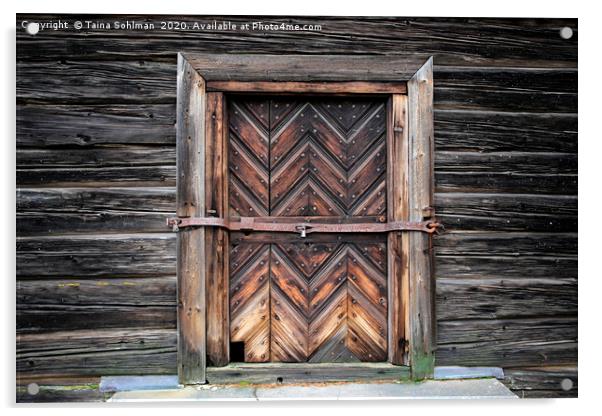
(237, 352)
(279, 380)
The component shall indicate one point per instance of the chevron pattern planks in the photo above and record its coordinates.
(310, 301)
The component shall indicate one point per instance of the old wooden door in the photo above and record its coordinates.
(322, 298)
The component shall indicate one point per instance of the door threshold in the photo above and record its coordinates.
(289, 373)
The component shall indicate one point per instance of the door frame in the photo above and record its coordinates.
(202, 190)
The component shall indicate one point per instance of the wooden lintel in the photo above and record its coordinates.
(335, 87)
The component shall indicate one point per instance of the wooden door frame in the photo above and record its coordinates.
(202, 190)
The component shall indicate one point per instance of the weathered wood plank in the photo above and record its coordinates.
(488, 131)
(136, 81)
(96, 156)
(421, 198)
(542, 382)
(285, 373)
(76, 125)
(190, 202)
(506, 182)
(97, 352)
(506, 244)
(507, 212)
(94, 177)
(507, 342)
(516, 162)
(49, 305)
(92, 210)
(461, 266)
(110, 255)
(453, 41)
(217, 240)
(398, 243)
(505, 298)
(71, 392)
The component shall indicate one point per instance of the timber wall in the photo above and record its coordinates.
(96, 284)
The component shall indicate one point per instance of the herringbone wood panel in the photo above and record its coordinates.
(296, 301)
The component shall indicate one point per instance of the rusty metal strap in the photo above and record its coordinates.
(248, 224)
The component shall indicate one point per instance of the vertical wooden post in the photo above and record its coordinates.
(190, 184)
(422, 284)
(217, 239)
(398, 242)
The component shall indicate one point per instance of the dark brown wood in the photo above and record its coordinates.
(397, 243)
(422, 321)
(217, 240)
(191, 242)
(291, 373)
(289, 87)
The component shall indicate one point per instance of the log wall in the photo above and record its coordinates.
(96, 286)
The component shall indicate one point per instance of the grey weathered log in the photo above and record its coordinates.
(509, 298)
(106, 255)
(93, 210)
(507, 212)
(79, 125)
(97, 352)
(190, 202)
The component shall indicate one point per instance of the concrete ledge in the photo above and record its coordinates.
(432, 389)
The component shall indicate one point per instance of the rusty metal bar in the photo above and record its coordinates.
(249, 224)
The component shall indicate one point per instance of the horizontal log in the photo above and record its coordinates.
(506, 244)
(136, 81)
(505, 298)
(507, 212)
(91, 210)
(115, 255)
(526, 80)
(471, 97)
(60, 125)
(114, 176)
(452, 41)
(71, 393)
(543, 382)
(50, 305)
(488, 131)
(96, 156)
(97, 352)
(506, 182)
(459, 266)
(529, 163)
(507, 342)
